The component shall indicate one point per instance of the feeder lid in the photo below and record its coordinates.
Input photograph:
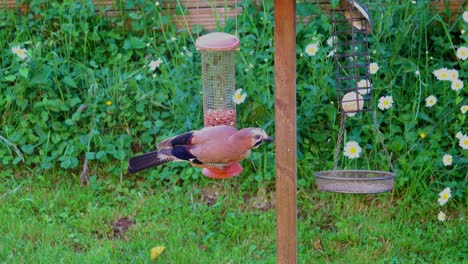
(355, 12)
(217, 41)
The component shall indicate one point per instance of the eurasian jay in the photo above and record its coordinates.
(217, 149)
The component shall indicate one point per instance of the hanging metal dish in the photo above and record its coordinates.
(355, 181)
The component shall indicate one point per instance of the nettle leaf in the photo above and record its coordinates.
(119, 154)
(10, 78)
(101, 155)
(134, 43)
(91, 155)
(70, 82)
(28, 148)
(23, 71)
(69, 122)
(69, 162)
(147, 124)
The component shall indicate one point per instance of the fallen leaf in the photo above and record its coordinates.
(156, 251)
(318, 245)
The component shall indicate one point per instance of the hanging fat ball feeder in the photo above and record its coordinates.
(218, 78)
(351, 25)
(217, 52)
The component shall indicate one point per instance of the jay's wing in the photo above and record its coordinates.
(197, 137)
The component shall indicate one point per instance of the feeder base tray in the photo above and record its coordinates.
(355, 181)
(227, 171)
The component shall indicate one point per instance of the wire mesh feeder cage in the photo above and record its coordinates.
(351, 25)
(217, 52)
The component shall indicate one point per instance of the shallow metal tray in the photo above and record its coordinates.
(355, 181)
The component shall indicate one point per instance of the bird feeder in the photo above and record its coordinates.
(351, 26)
(218, 78)
(217, 53)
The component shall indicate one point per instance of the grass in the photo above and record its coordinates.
(50, 219)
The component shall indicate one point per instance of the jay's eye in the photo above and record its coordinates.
(257, 137)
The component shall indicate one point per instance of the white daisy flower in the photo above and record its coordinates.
(464, 109)
(312, 49)
(352, 150)
(373, 67)
(331, 40)
(19, 52)
(442, 74)
(155, 64)
(444, 196)
(457, 85)
(385, 102)
(364, 86)
(431, 101)
(441, 216)
(453, 74)
(465, 16)
(417, 73)
(331, 53)
(462, 53)
(239, 97)
(463, 141)
(447, 159)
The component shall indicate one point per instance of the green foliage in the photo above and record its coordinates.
(85, 88)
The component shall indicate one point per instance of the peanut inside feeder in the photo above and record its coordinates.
(217, 52)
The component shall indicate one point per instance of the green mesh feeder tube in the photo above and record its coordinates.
(218, 78)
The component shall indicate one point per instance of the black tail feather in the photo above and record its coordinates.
(146, 161)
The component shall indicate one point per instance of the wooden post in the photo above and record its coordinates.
(285, 123)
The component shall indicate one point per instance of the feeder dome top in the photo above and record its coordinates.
(359, 11)
(217, 41)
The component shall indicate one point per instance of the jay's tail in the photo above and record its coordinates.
(148, 160)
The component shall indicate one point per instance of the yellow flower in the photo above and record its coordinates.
(108, 103)
(422, 135)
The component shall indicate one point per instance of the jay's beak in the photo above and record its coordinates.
(267, 140)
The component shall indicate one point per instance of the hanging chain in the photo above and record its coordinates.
(381, 138)
(339, 140)
(198, 19)
(237, 10)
